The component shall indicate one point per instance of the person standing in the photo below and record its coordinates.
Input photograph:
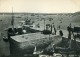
(55, 30)
(61, 33)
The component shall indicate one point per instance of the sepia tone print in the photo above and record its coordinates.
(36, 28)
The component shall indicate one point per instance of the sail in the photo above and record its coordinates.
(35, 50)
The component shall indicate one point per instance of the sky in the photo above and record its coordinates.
(40, 6)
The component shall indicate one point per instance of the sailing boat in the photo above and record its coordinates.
(12, 27)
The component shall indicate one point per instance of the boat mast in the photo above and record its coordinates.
(12, 21)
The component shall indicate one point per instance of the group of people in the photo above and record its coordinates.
(53, 29)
